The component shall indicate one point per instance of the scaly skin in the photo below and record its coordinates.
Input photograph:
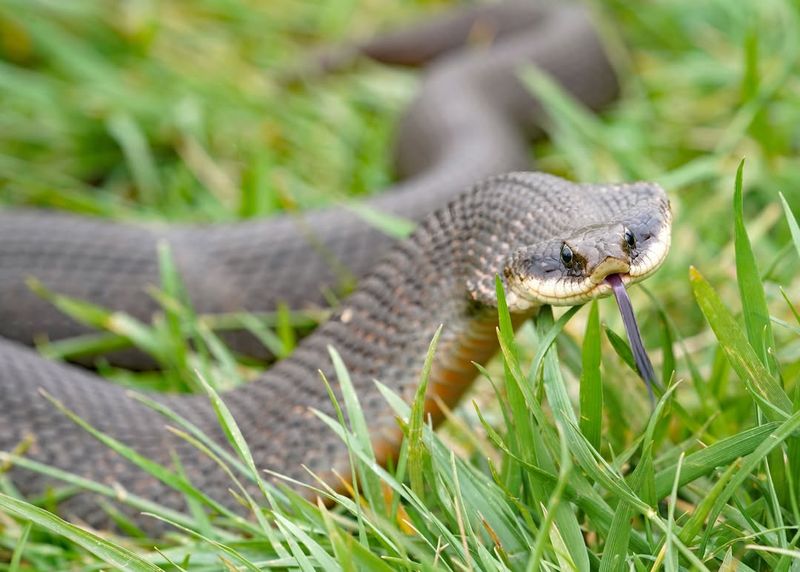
(442, 274)
(470, 121)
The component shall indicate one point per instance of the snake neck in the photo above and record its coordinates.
(382, 332)
(444, 274)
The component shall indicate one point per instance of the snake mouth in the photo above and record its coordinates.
(610, 265)
(598, 285)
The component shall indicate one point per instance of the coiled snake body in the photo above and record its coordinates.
(469, 123)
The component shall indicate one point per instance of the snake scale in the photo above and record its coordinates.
(552, 242)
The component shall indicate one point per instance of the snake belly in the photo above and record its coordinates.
(470, 120)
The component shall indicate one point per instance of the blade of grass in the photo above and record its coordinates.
(765, 390)
(591, 391)
(791, 220)
(751, 290)
(556, 498)
(642, 482)
(750, 464)
(234, 435)
(416, 448)
(358, 423)
(699, 516)
(140, 503)
(173, 287)
(756, 315)
(16, 556)
(133, 142)
(113, 554)
(621, 347)
(718, 454)
(594, 465)
(351, 441)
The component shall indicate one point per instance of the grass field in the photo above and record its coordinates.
(148, 110)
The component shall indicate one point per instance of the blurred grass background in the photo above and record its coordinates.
(172, 111)
(151, 110)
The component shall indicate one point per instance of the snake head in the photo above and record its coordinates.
(571, 268)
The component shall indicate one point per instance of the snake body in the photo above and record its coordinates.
(511, 225)
(470, 120)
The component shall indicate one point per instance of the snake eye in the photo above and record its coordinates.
(630, 239)
(566, 255)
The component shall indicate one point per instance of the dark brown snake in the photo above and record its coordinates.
(469, 123)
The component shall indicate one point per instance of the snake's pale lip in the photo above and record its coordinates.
(528, 295)
(610, 265)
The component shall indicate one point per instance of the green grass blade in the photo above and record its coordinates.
(547, 341)
(109, 552)
(84, 312)
(16, 556)
(139, 503)
(342, 550)
(351, 442)
(173, 288)
(751, 290)
(295, 533)
(391, 225)
(616, 547)
(621, 347)
(591, 392)
(548, 527)
(718, 454)
(83, 346)
(235, 437)
(416, 448)
(751, 463)
(695, 523)
(791, 220)
(128, 135)
(160, 472)
(284, 328)
(756, 313)
(358, 424)
(764, 388)
(519, 393)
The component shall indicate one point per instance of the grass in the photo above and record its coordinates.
(154, 111)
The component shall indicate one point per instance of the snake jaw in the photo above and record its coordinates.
(529, 293)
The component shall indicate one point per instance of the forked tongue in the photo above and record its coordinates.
(632, 329)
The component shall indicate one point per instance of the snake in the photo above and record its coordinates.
(462, 147)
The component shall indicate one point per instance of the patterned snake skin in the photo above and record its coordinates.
(470, 121)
